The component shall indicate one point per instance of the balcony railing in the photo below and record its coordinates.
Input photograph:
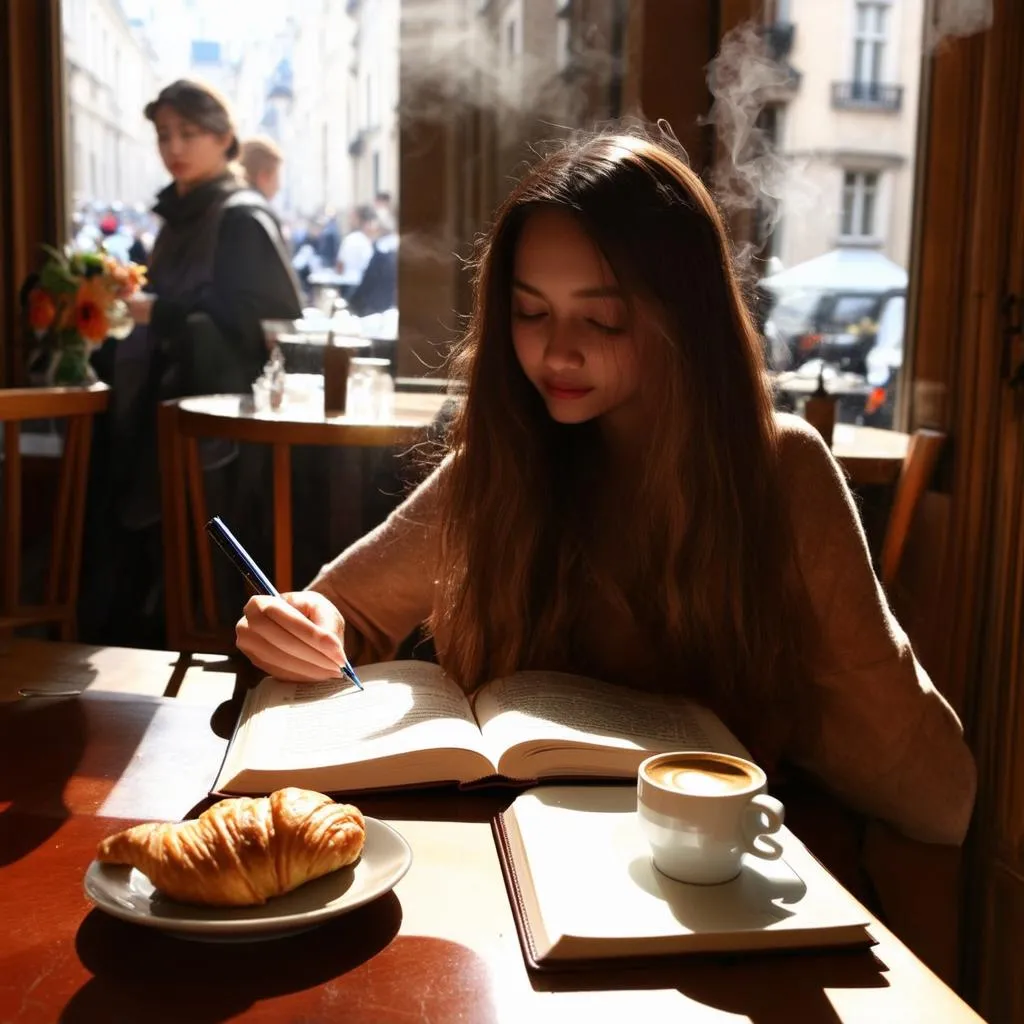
(778, 38)
(866, 96)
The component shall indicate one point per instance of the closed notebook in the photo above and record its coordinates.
(584, 890)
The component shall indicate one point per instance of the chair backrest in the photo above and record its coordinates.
(77, 406)
(918, 469)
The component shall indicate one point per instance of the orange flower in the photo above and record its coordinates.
(91, 310)
(41, 309)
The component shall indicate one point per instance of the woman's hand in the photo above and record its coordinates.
(295, 636)
(140, 306)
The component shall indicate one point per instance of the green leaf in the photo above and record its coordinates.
(57, 280)
(55, 254)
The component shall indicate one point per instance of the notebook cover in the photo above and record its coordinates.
(625, 961)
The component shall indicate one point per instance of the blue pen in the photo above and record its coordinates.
(244, 563)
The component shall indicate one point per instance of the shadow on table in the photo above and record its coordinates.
(33, 784)
(143, 974)
(768, 988)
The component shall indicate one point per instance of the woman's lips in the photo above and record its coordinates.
(553, 390)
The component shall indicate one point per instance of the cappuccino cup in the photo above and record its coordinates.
(701, 811)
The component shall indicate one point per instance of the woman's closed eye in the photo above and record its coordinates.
(605, 328)
(523, 314)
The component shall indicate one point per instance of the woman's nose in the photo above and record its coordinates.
(562, 350)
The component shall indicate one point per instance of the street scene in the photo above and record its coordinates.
(831, 89)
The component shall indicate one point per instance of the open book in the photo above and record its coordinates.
(584, 889)
(413, 726)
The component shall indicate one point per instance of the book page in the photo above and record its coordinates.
(405, 706)
(548, 714)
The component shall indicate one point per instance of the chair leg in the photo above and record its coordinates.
(197, 502)
(282, 517)
(10, 598)
(175, 540)
(63, 516)
(81, 480)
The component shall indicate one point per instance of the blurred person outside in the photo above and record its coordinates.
(306, 256)
(114, 239)
(261, 158)
(377, 291)
(218, 268)
(328, 240)
(384, 206)
(357, 248)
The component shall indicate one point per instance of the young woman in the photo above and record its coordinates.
(620, 501)
(219, 265)
(218, 268)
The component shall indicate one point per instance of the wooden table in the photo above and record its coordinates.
(870, 455)
(295, 423)
(305, 422)
(43, 666)
(442, 947)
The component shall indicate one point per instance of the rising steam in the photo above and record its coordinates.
(954, 18)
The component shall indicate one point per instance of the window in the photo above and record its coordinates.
(869, 40)
(860, 202)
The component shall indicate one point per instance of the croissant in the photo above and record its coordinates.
(243, 851)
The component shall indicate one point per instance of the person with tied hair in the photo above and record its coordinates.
(217, 269)
(620, 500)
(218, 265)
(261, 158)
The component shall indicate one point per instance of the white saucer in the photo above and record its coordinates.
(129, 894)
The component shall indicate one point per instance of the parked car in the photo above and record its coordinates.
(828, 308)
(837, 326)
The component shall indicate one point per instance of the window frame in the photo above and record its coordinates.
(889, 42)
(875, 238)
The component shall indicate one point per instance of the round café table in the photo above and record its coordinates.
(871, 456)
(300, 421)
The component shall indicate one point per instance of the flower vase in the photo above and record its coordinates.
(70, 367)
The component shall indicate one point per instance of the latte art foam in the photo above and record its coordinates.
(701, 776)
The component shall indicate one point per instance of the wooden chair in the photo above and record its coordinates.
(918, 468)
(78, 406)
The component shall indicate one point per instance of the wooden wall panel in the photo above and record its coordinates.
(669, 45)
(31, 156)
(971, 260)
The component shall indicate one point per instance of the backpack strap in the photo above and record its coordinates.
(256, 203)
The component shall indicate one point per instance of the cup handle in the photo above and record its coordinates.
(763, 816)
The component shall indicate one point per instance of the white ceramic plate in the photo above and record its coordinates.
(129, 894)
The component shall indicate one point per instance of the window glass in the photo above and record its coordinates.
(836, 257)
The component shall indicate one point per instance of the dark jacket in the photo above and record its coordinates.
(378, 290)
(218, 267)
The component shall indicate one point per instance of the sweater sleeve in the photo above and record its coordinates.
(384, 584)
(877, 732)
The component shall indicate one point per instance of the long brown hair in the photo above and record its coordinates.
(717, 586)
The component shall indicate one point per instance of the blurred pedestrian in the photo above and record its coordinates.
(261, 159)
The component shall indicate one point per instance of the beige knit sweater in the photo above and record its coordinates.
(876, 733)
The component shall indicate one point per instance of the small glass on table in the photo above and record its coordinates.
(371, 391)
